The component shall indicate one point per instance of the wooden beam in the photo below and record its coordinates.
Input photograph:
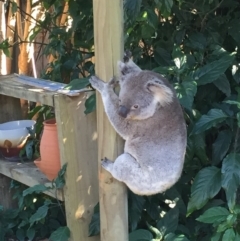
(28, 174)
(11, 87)
(77, 135)
(108, 35)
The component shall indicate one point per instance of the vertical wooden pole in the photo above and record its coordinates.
(77, 134)
(108, 35)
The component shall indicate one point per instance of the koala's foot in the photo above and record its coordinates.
(97, 83)
(107, 164)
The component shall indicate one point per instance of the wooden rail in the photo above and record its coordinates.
(28, 174)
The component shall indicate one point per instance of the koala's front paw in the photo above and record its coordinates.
(107, 164)
(97, 83)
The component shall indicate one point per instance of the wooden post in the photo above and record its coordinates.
(108, 35)
(77, 135)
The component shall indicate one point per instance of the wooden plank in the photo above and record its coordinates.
(108, 36)
(11, 87)
(28, 174)
(78, 148)
(48, 85)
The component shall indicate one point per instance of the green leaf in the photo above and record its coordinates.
(231, 177)
(238, 119)
(200, 146)
(186, 92)
(39, 215)
(31, 233)
(152, 18)
(223, 84)
(221, 146)
(14, 7)
(174, 237)
(135, 206)
(237, 238)
(212, 71)
(214, 215)
(59, 181)
(206, 185)
(197, 41)
(216, 237)
(20, 234)
(222, 227)
(233, 102)
(166, 7)
(213, 117)
(162, 57)
(234, 30)
(229, 235)
(94, 226)
(61, 234)
(140, 235)
(77, 84)
(34, 32)
(147, 31)
(6, 52)
(39, 188)
(29, 149)
(169, 223)
(132, 8)
(90, 104)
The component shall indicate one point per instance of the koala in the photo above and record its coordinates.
(148, 116)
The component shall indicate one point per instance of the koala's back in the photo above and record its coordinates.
(158, 144)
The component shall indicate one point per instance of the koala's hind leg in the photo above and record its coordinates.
(126, 169)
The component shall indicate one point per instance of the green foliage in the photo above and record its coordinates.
(37, 215)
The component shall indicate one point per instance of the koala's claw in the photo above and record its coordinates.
(96, 83)
(107, 164)
(127, 56)
(113, 82)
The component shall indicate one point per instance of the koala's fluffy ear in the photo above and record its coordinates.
(127, 67)
(161, 92)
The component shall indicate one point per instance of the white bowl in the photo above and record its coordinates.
(14, 133)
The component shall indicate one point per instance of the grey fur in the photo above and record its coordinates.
(149, 118)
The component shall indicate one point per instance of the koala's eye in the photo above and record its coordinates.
(135, 106)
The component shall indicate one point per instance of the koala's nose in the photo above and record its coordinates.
(123, 111)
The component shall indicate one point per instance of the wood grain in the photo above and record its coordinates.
(77, 135)
(108, 35)
(10, 87)
(28, 174)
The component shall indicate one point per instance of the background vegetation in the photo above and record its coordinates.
(195, 44)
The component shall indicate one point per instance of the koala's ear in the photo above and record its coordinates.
(127, 67)
(161, 92)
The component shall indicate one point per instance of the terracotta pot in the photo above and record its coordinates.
(49, 162)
